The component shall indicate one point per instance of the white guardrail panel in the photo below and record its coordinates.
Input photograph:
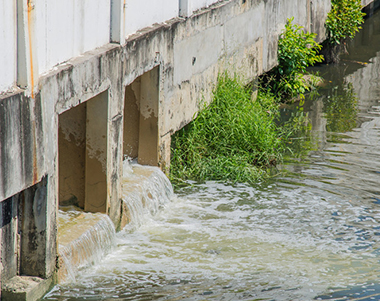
(8, 44)
(187, 7)
(140, 14)
(65, 29)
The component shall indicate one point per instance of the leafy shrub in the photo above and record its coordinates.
(297, 50)
(344, 20)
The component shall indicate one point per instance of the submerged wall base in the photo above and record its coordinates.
(24, 288)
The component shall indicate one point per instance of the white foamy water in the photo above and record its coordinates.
(239, 242)
(145, 191)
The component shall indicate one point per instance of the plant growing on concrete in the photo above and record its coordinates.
(343, 22)
(234, 139)
(297, 50)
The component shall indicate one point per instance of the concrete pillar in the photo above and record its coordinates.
(27, 66)
(25, 242)
(34, 259)
(132, 119)
(141, 118)
(148, 133)
(118, 21)
(9, 237)
(96, 191)
(71, 156)
(184, 8)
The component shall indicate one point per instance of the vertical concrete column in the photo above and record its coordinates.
(35, 258)
(118, 20)
(184, 8)
(27, 66)
(308, 15)
(96, 191)
(148, 133)
(9, 210)
(71, 156)
(131, 120)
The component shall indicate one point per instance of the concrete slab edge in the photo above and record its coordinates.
(25, 288)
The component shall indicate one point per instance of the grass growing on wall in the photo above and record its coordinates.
(234, 139)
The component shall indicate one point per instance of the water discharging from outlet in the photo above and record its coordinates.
(145, 190)
(84, 239)
(311, 233)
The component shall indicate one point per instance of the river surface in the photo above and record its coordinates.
(310, 233)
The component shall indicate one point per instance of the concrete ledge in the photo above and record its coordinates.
(25, 288)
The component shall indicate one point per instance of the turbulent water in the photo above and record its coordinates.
(84, 238)
(311, 233)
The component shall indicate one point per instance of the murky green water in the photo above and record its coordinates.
(311, 233)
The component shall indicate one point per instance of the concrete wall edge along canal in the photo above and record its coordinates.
(64, 133)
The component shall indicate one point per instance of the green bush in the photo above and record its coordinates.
(344, 20)
(233, 139)
(297, 50)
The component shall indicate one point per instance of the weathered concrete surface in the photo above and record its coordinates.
(24, 288)
(370, 6)
(22, 143)
(187, 7)
(185, 54)
(28, 234)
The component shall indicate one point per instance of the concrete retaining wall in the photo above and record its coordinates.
(151, 84)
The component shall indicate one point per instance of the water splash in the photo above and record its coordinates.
(146, 189)
(84, 239)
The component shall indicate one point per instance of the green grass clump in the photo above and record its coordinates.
(234, 139)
